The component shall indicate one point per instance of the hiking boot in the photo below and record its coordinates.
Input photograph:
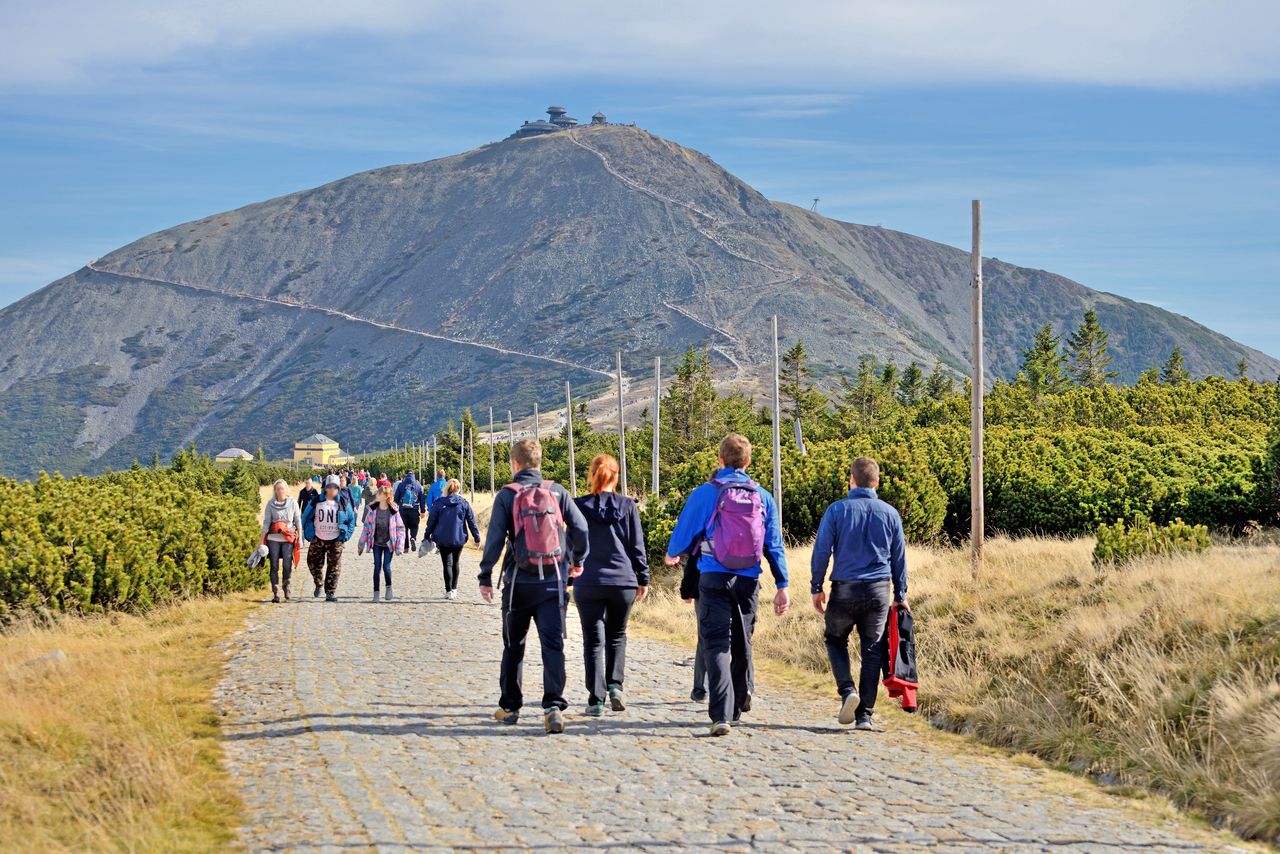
(617, 699)
(316, 593)
(376, 595)
(388, 596)
(746, 702)
(331, 598)
(553, 720)
(699, 695)
(286, 593)
(413, 545)
(275, 596)
(866, 724)
(595, 710)
(502, 716)
(719, 728)
(848, 708)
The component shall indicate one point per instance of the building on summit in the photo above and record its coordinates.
(232, 455)
(558, 118)
(319, 450)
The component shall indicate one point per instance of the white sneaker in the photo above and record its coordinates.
(453, 594)
(376, 594)
(387, 598)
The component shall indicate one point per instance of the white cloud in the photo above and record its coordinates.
(824, 43)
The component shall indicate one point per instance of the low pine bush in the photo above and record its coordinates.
(1120, 543)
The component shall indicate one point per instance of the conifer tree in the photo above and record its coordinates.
(940, 383)
(802, 400)
(1043, 365)
(1174, 372)
(911, 386)
(1242, 369)
(1089, 359)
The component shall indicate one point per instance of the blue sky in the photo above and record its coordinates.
(1135, 149)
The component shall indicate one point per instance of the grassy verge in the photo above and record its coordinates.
(1163, 676)
(117, 747)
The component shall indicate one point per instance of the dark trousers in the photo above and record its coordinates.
(320, 553)
(280, 556)
(726, 620)
(449, 560)
(412, 518)
(699, 660)
(604, 612)
(542, 604)
(861, 605)
(382, 565)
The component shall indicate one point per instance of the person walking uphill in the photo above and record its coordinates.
(864, 534)
(732, 523)
(412, 499)
(436, 491)
(541, 537)
(615, 576)
(327, 523)
(447, 526)
(282, 535)
(383, 533)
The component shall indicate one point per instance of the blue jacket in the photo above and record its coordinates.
(346, 519)
(410, 492)
(615, 543)
(436, 492)
(865, 535)
(691, 528)
(450, 518)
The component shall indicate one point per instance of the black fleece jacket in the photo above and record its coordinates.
(501, 532)
(616, 554)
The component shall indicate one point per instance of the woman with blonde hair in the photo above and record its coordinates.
(450, 518)
(282, 535)
(383, 533)
(615, 576)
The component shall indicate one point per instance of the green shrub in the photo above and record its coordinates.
(1120, 543)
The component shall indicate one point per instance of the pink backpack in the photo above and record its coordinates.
(538, 523)
(736, 529)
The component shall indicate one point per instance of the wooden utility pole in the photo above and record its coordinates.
(977, 503)
(657, 420)
(622, 431)
(435, 457)
(537, 426)
(777, 424)
(472, 465)
(492, 484)
(568, 408)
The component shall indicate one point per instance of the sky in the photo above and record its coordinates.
(1134, 147)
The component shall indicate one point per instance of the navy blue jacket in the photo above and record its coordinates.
(450, 518)
(413, 491)
(615, 542)
(865, 536)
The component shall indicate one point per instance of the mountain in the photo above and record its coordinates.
(375, 307)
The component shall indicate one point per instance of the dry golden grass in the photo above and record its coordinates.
(1164, 674)
(117, 748)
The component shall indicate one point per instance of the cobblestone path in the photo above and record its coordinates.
(354, 726)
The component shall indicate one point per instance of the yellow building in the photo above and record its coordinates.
(318, 450)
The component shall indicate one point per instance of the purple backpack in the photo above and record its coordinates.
(736, 530)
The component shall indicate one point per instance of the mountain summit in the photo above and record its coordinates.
(377, 306)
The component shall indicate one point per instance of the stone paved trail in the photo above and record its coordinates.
(353, 726)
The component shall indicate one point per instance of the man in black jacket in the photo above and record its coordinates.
(539, 598)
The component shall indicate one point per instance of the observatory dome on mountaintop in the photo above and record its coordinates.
(558, 119)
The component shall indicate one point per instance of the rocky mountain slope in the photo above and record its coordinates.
(377, 306)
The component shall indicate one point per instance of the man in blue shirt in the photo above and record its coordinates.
(865, 536)
(728, 598)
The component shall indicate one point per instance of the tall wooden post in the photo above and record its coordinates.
(777, 424)
(492, 483)
(462, 454)
(537, 422)
(657, 417)
(977, 503)
(622, 432)
(568, 408)
(435, 457)
(472, 465)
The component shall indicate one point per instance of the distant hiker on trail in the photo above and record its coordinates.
(307, 494)
(733, 523)
(382, 480)
(383, 534)
(282, 535)
(437, 489)
(412, 499)
(370, 494)
(865, 536)
(350, 493)
(327, 523)
(541, 537)
(615, 576)
(447, 525)
(689, 593)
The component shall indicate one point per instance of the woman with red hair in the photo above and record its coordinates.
(615, 576)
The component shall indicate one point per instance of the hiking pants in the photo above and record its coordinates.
(699, 661)
(411, 518)
(280, 557)
(726, 620)
(449, 561)
(322, 552)
(540, 603)
(604, 612)
(861, 605)
(382, 565)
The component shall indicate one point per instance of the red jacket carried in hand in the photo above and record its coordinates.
(899, 662)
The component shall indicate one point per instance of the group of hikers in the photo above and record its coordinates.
(550, 543)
